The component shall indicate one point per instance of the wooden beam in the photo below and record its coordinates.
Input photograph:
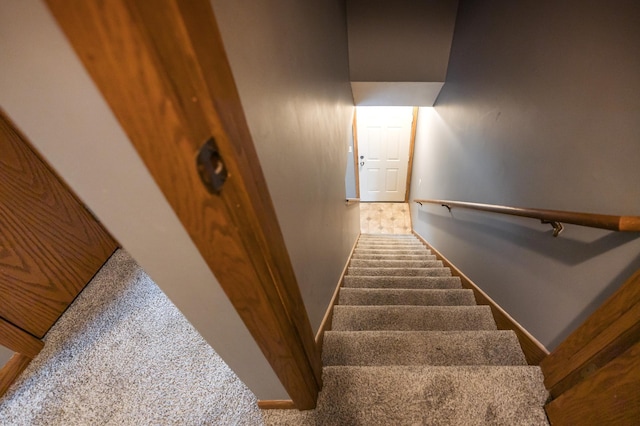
(162, 68)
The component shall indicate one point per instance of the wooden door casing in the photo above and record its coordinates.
(50, 245)
(162, 69)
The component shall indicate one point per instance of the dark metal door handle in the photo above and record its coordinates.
(211, 168)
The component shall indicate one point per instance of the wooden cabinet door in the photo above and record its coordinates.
(50, 245)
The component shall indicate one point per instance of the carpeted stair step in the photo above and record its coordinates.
(390, 243)
(390, 247)
(422, 348)
(392, 236)
(391, 296)
(434, 268)
(378, 251)
(393, 263)
(424, 395)
(444, 281)
(393, 256)
(412, 318)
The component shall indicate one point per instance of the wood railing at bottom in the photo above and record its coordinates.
(594, 375)
(553, 217)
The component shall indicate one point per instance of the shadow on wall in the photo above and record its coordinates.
(563, 248)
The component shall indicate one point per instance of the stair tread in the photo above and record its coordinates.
(403, 251)
(402, 296)
(444, 281)
(394, 263)
(499, 347)
(424, 395)
(407, 318)
(393, 256)
(435, 269)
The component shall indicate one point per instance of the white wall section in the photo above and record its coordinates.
(540, 109)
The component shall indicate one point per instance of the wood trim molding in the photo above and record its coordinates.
(610, 396)
(328, 316)
(612, 329)
(11, 370)
(412, 144)
(176, 92)
(356, 163)
(19, 340)
(534, 351)
(276, 404)
(25, 346)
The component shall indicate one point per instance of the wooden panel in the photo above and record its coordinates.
(50, 246)
(278, 404)
(412, 145)
(19, 340)
(609, 397)
(533, 350)
(12, 370)
(356, 157)
(609, 331)
(161, 67)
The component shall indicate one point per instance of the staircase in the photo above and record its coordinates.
(409, 346)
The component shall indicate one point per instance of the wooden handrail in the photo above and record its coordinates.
(553, 217)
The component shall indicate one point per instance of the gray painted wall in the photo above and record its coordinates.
(290, 62)
(401, 40)
(541, 108)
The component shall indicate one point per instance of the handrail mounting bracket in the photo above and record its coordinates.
(557, 226)
(447, 206)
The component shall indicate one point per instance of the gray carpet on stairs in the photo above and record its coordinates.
(394, 296)
(422, 348)
(109, 361)
(409, 346)
(443, 281)
(419, 395)
(409, 318)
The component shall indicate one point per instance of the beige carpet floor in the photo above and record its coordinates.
(123, 354)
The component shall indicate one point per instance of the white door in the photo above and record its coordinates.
(384, 136)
